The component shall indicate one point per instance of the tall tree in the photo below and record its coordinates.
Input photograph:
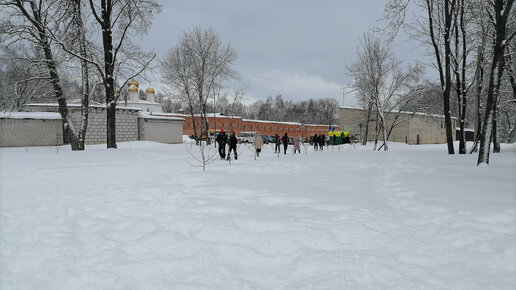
(500, 13)
(117, 19)
(437, 30)
(379, 79)
(196, 68)
(36, 23)
(460, 66)
(78, 33)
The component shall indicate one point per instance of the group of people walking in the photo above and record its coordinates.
(223, 140)
(285, 140)
(318, 141)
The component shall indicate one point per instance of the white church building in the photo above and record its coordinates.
(133, 100)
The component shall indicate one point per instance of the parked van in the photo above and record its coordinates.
(246, 137)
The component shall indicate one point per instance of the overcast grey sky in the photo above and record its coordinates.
(297, 48)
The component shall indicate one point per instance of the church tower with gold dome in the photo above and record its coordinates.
(133, 99)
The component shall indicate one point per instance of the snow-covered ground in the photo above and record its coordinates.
(141, 217)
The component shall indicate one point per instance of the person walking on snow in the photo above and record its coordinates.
(322, 141)
(222, 139)
(297, 144)
(284, 139)
(232, 144)
(277, 140)
(257, 143)
(316, 142)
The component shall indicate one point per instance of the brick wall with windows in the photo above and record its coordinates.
(238, 125)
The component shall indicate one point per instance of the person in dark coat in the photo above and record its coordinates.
(284, 139)
(277, 141)
(316, 142)
(322, 141)
(222, 139)
(232, 144)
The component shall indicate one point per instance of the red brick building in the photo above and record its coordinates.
(238, 125)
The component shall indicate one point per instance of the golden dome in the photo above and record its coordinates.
(133, 83)
(117, 90)
(149, 91)
(133, 89)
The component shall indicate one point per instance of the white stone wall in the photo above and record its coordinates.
(96, 133)
(160, 130)
(422, 128)
(126, 122)
(30, 132)
(427, 130)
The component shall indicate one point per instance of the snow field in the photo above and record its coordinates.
(140, 217)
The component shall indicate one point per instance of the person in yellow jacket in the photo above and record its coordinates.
(258, 143)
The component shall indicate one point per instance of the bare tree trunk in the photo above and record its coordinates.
(43, 40)
(85, 102)
(460, 70)
(109, 68)
(478, 101)
(206, 125)
(447, 62)
(496, 140)
(384, 134)
(501, 14)
(377, 132)
(368, 118)
(444, 72)
(194, 124)
(104, 19)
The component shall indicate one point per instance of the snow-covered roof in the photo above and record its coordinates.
(400, 112)
(74, 105)
(271, 122)
(465, 129)
(159, 117)
(326, 125)
(79, 102)
(171, 114)
(220, 115)
(30, 115)
(143, 102)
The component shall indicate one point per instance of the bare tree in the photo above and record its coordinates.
(196, 68)
(379, 79)
(460, 65)
(236, 97)
(204, 157)
(500, 13)
(23, 77)
(117, 19)
(78, 36)
(437, 30)
(34, 25)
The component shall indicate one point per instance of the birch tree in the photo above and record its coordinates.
(195, 68)
(379, 79)
(32, 21)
